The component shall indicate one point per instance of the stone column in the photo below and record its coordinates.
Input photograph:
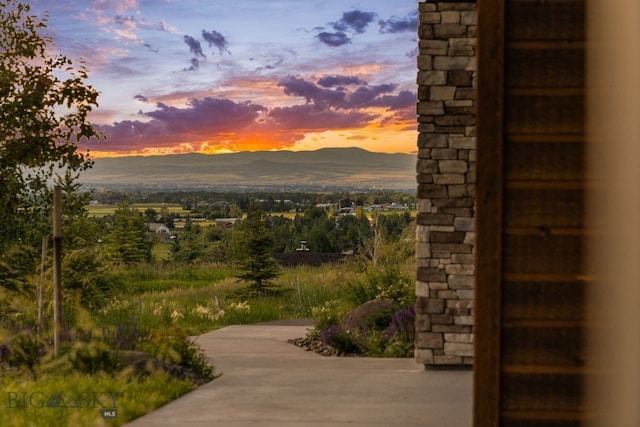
(446, 182)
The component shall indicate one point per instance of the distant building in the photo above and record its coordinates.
(225, 222)
(158, 228)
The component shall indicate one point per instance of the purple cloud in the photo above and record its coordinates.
(300, 87)
(216, 39)
(355, 20)
(169, 126)
(194, 46)
(195, 64)
(221, 114)
(334, 39)
(296, 86)
(364, 96)
(126, 20)
(309, 117)
(340, 98)
(150, 48)
(399, 25)
(337, 80)
(405, 99)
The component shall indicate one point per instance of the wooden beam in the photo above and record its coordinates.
(489, 128)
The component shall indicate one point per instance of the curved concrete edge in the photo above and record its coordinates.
(267, 381)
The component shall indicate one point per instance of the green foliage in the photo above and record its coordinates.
(382, 283)
(389, 333)
(318, 229)
(190, 246)
(380, 320)
(202, 297)
(92, 357)
(127, 236)
(343, 341)
(16, 263)
(174, 346)
(157, 278)
(329, 313)
(391, 283)
(133, 398)
(254, 245)
(356, 229)
(394, 240)
(44, 107)
(23, 350)
(86, 278)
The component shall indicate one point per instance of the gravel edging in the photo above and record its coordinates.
(320, 347)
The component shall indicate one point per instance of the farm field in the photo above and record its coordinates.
(98, 210)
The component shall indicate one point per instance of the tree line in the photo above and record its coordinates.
(215, 203)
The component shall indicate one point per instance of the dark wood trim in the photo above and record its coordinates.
(490, 136)
(450, 1)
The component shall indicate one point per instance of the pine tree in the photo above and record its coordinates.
(189, 246)
(254, 246)
(127, 236)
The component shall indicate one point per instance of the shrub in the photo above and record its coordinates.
(389, 333)
(341, 340)
(92, 357)
(86, 278)
(134, 398)
(126, 334)
(174, 346)
(23, 350)
(380, 283)
(402, 324)
(380, 320)
(391, 283)
(328, 314)
(400, 334)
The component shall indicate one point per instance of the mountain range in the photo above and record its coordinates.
(328, 167)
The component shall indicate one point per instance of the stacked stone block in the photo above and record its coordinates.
(446, 183)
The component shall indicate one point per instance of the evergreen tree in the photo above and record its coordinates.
(79, 230)
(83, 267)
(189, 246)
(127, 237)
(254, 246)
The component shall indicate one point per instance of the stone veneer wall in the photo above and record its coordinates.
(446, 182)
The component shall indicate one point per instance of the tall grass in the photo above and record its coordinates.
(77, 399)
(202, 298)
(165, 277)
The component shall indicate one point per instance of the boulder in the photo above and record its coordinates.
(357, 318)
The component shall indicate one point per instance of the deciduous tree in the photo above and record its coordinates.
(44, 108)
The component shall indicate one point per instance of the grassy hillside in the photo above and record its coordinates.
(330, 167)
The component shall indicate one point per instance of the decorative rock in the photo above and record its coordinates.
(357, 318)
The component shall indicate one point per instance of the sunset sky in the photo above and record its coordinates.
(217, 76)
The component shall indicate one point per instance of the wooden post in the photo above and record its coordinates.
(489, 221)
(57, 267)
(298, 292)
(43, 263)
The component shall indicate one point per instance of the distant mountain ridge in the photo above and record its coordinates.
(327, 167)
